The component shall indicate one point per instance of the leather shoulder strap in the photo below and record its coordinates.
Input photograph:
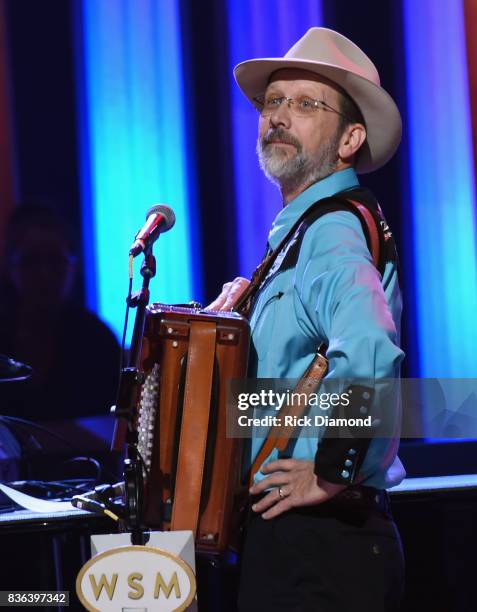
(346, 200)
(279, 435)
(374, 228)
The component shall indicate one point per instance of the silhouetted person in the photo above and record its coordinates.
(73, 354)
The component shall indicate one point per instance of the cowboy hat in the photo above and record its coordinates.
(335, 57)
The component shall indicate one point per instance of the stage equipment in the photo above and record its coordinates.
(159, 219)
(11, 370)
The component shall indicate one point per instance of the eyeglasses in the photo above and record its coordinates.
(301, 106)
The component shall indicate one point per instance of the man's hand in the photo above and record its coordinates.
(294, 484)
(230, 294)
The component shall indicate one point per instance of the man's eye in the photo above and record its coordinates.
(306, 103)
(273, 101)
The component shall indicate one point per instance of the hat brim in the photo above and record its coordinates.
(380, 113)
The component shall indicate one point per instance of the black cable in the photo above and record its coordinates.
(125, 328)
(92, 460)
(57, 490)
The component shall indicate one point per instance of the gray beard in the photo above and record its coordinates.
(300, 170)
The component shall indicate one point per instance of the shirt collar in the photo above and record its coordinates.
(338, 181)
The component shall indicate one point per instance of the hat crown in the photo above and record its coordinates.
(329, 47)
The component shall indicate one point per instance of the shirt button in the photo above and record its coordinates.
(348, 463)
(345, 474)
(352, 451)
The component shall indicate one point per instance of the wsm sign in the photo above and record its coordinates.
(136, 578)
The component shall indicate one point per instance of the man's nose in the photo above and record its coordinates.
(281, 116)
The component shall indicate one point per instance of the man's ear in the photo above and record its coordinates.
(351, 140)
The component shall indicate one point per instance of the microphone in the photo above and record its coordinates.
(159, 219)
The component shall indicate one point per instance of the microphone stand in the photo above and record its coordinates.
(124, 411)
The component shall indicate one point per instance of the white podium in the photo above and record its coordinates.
(159, 576)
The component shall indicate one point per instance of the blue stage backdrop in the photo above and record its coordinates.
(258, 29)
(133, 147)
(442, 188)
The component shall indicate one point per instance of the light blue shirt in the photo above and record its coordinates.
(334, 294)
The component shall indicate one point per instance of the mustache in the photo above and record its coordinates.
(281, 135)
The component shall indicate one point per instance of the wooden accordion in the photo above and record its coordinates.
(193, 471)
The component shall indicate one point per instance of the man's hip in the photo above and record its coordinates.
(343, 554)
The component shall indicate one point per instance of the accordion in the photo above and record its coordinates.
(193, 477)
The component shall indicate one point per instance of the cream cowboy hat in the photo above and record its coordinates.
(335, 57)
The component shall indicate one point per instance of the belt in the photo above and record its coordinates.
(377, 499)
(354, 499)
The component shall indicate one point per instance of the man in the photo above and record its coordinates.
(320, 537)
(41, 325)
